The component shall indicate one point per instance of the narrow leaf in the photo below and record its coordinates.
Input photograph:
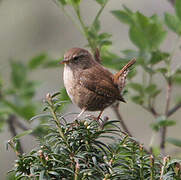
(178, 8)
(174, 141)
(23, 134)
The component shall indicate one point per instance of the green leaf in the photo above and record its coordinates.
(161, 121)
(174, 141)
(173, 23)
(104, 36)
(137, 99)
(138, 38)
(123, 16)
(22, 134)
(41, 176)
(28, 111)
(40, 116)
(37, 61)
(162, 70)
(96, 26)
(52, 63)
(167, 123)
(111, 60)
(150, 88)
(105, 43)
(101, 2)
(158, 56)
(74, 2)
(63, 2)
(177, 79)
(63, 95)
(137, 87)
(178, 8)
(2, 123)
(130, 53)
(18, 74)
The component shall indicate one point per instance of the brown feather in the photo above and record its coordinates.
(123, 70)
(92, 80)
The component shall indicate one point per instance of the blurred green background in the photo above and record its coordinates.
(31, 27)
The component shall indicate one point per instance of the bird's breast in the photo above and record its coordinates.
(69, 81)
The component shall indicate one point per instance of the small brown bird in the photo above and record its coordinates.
(88, 84)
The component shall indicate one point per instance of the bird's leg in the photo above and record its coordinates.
(75, 120)
(99, 115)
(80, 114)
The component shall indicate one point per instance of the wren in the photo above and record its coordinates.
(89, 85)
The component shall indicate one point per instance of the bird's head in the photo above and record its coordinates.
(78, 57)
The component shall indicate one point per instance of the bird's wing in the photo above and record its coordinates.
(98, 81)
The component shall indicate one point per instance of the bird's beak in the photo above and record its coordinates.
(64, 61)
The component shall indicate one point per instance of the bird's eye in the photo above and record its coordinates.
(76, 57)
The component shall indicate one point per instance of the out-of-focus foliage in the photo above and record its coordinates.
(18, 97)
(76, 151)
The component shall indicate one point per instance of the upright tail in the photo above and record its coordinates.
(120, 77)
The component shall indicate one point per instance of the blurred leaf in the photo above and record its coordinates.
(177, 77)
(101, 2)
(28, 111)
(138, 38)
(74, 2)
(105, 43)
(2, 123)
(132, 73)
(162, 70)
(137, 87)
(146, 33)
(173, 23)
(111, 60)
(138, 99)
(158, 56)
(63, 2)
(174, 141)
(96, 26)
(40, 116)
(161, 121)
(63, 95)
(178, 8)
(150, 30)
(24, 133)
(18, 74)
(152, 90)
(123, 16)
(37, 61)
(103, 36)
(167, 123)
(52, 63)
(130, 53)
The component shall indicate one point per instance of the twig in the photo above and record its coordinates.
(11, 119)
(174, 109)
(163, 130)
(151, 110)
(115, 108)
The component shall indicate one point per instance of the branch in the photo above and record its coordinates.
(11, 124)
(163, 130)
(174, 109)
(115, 108)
